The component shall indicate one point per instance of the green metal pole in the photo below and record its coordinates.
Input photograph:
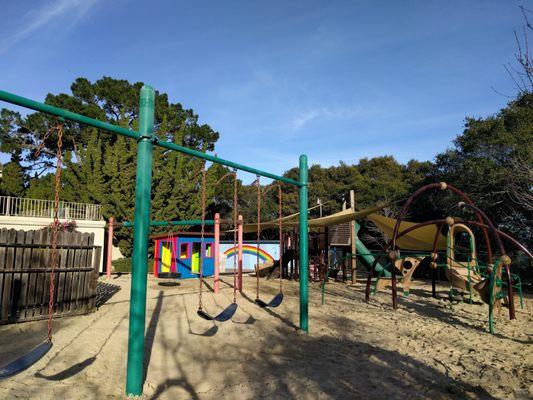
(304, 259)
(134, 372)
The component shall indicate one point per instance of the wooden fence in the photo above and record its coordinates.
(25, 274)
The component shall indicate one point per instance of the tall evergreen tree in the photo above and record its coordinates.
(101, 167)
(12, 180)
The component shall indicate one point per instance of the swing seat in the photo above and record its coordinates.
(224, 316)
(25, 361)
(275, 302)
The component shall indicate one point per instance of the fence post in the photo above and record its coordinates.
(134, 370)
(216, 250)
(109, 246)
(304, 259)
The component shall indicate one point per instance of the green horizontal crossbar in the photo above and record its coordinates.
(61, 113)
(227, 163)
(129, 224)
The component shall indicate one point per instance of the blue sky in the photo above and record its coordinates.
(337, 80)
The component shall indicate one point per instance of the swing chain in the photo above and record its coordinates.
(258, 180)
(235, 227)
(225, 176)
(55, 223)
(202, 233)
(173, 250)
(45, 136)
(280, 240)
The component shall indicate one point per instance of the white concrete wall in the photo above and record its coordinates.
(116, 253)
(32, 223)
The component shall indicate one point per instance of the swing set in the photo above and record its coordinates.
(146, 139)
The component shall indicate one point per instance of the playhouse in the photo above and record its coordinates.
(181, 252)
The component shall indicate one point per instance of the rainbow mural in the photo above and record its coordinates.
(267, 252)
(251, 250)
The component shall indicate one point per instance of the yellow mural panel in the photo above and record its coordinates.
(166, 257)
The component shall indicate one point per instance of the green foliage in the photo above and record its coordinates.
(41, 187)
(99, 167)
(123, 265)
(493, 162)
(67, 226)
(376, 180)
(12, 181)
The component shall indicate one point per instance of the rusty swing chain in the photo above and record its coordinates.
(202, 233)
(258, 181)
(235, 212)
(55, 224)
(280, 240)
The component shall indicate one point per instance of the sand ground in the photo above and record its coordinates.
(424, 350)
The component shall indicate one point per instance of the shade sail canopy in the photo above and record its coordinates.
(333, 219)
(419, 239)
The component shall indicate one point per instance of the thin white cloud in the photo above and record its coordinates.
(46, 14)
(340, 113)
(302, 119)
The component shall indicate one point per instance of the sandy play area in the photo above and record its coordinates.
(354, 349)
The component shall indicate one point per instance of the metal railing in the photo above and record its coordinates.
(22, 207)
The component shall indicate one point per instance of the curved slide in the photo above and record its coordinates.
(363, 254)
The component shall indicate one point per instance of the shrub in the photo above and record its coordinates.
(67, 226)
(124, 265)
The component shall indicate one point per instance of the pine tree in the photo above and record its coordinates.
(13, 179)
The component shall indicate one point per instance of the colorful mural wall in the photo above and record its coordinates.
(268, 252)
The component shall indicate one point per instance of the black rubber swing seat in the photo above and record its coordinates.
(25, 361)
(275, 302)
(169, 275)
(224, 316)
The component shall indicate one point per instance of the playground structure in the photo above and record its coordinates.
(488, 280)
(420, 243)
(492, 281)
(146, 139)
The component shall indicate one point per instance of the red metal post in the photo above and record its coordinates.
(239, 259)
(157, 258)
(216, 250)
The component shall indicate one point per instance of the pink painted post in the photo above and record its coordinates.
(157, 259)
(239, 259)
(216, 250)
(109, 247)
